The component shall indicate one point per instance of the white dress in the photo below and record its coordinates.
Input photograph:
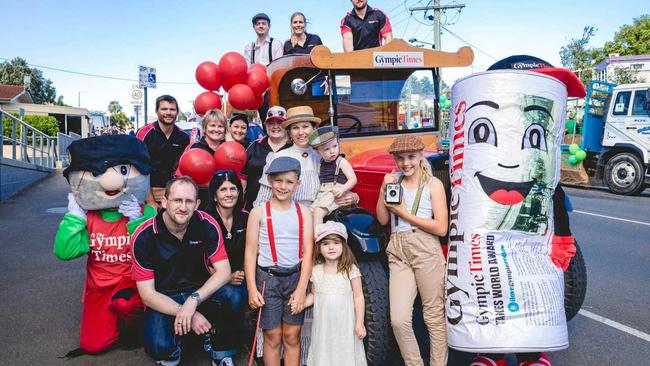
(333, 340)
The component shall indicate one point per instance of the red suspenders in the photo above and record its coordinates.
(269, 226)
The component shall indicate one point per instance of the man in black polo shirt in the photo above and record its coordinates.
(365, 27)
(166, 143)
(179, 260)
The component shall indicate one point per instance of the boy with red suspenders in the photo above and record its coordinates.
(278, 262)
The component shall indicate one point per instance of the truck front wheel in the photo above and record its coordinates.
(624, 174)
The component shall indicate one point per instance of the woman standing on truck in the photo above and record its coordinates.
(415, 258)
(300, 41)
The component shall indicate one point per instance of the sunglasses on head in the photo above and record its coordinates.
(225, 173)
(275, 114)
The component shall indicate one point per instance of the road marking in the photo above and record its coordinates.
(612, 217)
(616, 325)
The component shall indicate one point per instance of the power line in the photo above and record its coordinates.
(468, 43)
(99, 76)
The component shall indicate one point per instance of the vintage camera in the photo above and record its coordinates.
(393, 193)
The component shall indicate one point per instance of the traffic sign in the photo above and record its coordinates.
(147, 77)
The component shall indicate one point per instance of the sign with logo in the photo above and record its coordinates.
(147, 77)
(397, 59)
(136, 95)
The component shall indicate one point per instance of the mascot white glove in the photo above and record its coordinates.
(74, 208)
(131, 208)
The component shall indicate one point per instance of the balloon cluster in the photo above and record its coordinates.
(199, 165)
(244, 85)
(576, 154)
(572, 128)
(443, 102)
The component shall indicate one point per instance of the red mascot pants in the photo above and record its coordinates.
(105, 311)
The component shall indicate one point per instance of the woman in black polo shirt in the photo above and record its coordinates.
(300, 41)
(226, 206)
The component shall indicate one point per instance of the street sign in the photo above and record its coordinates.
(147, 77)
(132, 119)
(136, 109)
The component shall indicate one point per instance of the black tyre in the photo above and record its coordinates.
(624, 174)
(379, 342)
(575, 284)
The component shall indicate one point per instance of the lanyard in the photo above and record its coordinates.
(269, 226)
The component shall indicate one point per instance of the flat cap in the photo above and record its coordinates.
(283, 164)
(406, 143)
(323, 135)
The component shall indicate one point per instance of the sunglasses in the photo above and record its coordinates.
(225, 173)
(275, 114)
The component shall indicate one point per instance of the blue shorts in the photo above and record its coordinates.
(276, 309)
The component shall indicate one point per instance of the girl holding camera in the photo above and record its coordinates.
(414, 203)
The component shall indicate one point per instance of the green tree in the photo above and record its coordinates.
(427, 86)
(59, 101)
(114, 107)
(576, 55)
(631, 39)
(120, 119)
(46, 124)
(13, 73)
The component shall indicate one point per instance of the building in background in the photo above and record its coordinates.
(640, 64)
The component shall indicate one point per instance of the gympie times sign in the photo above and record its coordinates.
(397, 59)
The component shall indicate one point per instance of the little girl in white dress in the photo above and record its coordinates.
(337, 296)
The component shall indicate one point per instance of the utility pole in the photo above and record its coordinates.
(437, 43)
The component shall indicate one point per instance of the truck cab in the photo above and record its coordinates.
(616, 135)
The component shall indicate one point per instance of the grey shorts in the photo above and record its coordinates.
(276, 309)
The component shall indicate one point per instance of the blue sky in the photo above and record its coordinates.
(113, 37)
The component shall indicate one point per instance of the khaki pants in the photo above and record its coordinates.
(417, 264)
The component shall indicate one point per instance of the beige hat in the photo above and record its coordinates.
(406, 143)
(300, 114)
(331, 227)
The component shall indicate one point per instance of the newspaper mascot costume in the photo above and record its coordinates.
(509, 237)
(109, 178)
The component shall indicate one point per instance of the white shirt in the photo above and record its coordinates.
(262, 51)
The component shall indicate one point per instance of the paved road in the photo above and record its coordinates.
(41, 295)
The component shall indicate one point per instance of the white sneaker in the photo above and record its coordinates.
(226, 361)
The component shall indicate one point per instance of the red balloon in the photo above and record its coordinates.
(233, 69)
(258, 67)
(259, 100)
(241, 97)
(206, 101)
(198, 164)
(230, 155)
(207, 75)
(258, 81)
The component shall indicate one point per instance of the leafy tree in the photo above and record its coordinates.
(120, 119)
(46, 124)
(13, 73)
(631, 39)
(626, 75)
(427, 86)
(59, 101)
(576, 56)
(114, 107)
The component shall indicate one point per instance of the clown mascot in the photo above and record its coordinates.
(509, 238)
(109, 178)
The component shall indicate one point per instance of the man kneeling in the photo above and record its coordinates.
(179, 261)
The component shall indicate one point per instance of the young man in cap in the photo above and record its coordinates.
(278, 261)
(336, 174)
(365, 27)
(179, 262)
(264, 49)
(166, 143)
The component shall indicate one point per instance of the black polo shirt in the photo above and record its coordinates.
(203, 145)
(177, 265)
(164, 152)
(255, 162)
(235, 243)
(311, 41)
(366, 32)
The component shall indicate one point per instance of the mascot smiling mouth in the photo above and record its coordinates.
(504, 193)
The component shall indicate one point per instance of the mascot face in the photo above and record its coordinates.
(106, 170)
(511, 129)
(109, 189)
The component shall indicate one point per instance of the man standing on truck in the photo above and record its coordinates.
(365, 27)
(264, 49)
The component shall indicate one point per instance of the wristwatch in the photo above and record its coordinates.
(195, 295)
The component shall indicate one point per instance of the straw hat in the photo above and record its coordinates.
(300, 114)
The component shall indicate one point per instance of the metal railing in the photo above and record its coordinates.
(64, 142)
(26, 143)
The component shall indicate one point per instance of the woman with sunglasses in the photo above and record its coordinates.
(256, 155)
(226, 206)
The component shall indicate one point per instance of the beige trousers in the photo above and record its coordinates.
(417, 264)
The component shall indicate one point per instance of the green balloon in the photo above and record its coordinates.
(581, 155)
(570, 125)
(448, 104)
(573, 148)
(443, 99)
(573, 160)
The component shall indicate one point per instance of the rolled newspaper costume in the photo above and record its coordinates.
(503, 292)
